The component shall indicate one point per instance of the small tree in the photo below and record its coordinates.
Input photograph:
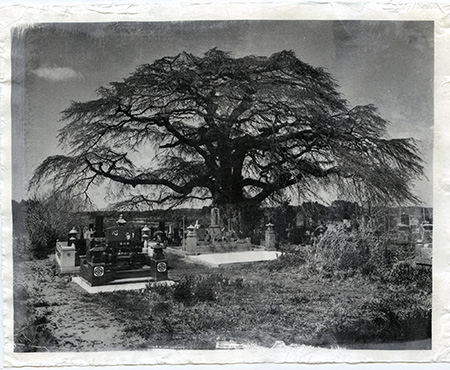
(236, 131)
(49, 219)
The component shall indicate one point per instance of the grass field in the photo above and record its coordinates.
(294, 300)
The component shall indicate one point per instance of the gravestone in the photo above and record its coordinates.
(118, 255)
(270, 239)
(98, 231)
(214, 227)
(191, 240)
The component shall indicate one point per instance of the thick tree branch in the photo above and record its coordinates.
(200, 181)
(239, 129)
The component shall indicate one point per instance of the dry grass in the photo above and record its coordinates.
(326, 295)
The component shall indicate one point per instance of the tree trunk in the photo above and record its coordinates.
(243, 219)
(235, 210)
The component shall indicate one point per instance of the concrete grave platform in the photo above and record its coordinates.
(122, 284)
(220, 259)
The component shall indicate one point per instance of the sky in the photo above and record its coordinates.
(388, 64)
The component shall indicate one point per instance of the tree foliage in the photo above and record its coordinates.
(237, 131)
(50, 218)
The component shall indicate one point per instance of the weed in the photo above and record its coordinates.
(288, 260)
(33, 334)
(407, 274)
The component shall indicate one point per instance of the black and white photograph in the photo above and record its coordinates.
(222, 185)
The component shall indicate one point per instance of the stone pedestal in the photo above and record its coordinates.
(158, 263)
(159, 269)
(191, 240)
(96, 274)
(65, 257)
(270, 239)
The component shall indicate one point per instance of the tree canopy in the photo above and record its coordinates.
(237, 131)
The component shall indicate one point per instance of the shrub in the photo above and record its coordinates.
(338, 249)
(344, 253)
(50, 218)
(408, 274)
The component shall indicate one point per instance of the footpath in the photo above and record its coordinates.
(75, 318)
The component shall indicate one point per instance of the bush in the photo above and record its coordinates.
(400, 315)
(408, 274)
(48, 219)
(341, 251)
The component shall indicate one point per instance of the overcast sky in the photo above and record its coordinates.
(388, 64)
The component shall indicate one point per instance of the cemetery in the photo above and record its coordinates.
(200, 287)
(123, 255)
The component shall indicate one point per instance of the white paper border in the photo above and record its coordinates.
(15, 15)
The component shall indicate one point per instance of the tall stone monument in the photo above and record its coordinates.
(270, 239)
(214, 227)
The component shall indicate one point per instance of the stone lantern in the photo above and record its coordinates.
(145, 238)
(191, 229)
(121, 221)
(72, 236)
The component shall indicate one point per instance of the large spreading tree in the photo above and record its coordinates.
(236, 131)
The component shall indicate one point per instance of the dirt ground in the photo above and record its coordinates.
(77, 322)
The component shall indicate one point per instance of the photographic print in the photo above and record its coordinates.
(222, 186)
